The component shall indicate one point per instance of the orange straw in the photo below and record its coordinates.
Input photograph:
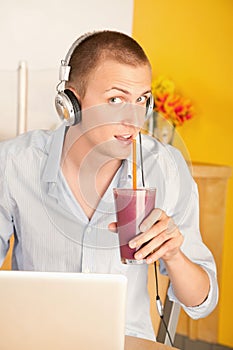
(134, 165)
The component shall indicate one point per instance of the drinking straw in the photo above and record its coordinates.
(134, 165)
(141, 159)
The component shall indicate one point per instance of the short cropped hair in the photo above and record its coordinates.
(97, 47)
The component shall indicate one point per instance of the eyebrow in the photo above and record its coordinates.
(125, 91)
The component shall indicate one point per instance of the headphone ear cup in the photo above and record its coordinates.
(149, 106)
(68, 107)
(76, 106)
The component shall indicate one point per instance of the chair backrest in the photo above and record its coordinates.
(7, 262)
(171, 309)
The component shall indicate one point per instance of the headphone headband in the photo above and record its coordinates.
(64, 71)
(66, 103)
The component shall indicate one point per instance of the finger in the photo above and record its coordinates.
(157, 241)
(171, 227)
(154, 230)
(158, 253)
(154, 216)
(112, 227)
(168, 249)
(146, 250)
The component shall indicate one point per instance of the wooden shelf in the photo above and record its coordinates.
(212, 185)
(210, 171)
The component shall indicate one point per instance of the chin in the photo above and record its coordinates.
(113, 150)
(120, 155)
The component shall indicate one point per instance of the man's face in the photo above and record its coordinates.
(114, 107)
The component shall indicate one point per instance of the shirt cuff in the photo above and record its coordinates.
(208, 305)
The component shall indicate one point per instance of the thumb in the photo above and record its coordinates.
(112, 227)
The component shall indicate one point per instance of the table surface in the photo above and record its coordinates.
(132, 343)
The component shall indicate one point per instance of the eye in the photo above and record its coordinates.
(142, 100)
(115, 100)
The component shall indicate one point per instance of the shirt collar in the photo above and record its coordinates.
(54, 151)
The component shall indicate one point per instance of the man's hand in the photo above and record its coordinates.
(159, 237)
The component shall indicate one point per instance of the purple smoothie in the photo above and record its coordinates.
(132, 207)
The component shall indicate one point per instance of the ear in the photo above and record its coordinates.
(71, 88)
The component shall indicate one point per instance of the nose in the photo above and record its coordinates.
(133, 115)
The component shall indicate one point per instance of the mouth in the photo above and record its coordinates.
(125, 139)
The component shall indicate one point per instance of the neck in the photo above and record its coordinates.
(85, 157)
(87, 171)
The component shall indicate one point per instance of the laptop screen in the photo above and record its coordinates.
(62, 311)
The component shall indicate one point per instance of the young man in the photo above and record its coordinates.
(56, 187)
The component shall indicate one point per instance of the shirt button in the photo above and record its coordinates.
(88, 230)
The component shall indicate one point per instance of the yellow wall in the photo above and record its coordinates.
(192, 43)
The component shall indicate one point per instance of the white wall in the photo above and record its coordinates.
(41, 33)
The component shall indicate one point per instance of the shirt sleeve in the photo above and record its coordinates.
(185, 212)
(6, 224)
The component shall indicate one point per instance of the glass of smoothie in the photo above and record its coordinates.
(132, 207)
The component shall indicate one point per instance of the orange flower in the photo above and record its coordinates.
(171, 105)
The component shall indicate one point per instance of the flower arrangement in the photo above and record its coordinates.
(169, 103)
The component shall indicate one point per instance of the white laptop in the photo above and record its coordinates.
(61, 311)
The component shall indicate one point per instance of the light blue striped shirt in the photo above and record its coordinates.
(52, 233)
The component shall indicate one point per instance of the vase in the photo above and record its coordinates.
(160, 128)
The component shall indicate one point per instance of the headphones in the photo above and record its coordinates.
(66, 103)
